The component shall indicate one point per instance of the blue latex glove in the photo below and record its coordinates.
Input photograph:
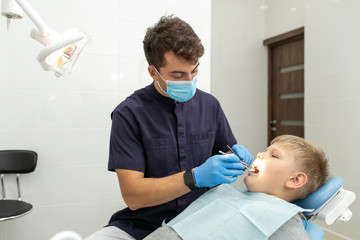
(243, 153)
(217, 170)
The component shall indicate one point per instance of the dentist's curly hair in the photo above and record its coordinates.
(311, 160)
(171, 33)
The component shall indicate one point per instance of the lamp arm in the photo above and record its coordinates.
(35, 17)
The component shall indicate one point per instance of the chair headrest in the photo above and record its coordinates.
(316, 199)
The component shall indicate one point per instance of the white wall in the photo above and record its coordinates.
(332, 86)
(67, 120)
(283, 16)
(238, 68)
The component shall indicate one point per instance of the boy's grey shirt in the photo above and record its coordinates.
(293, 227)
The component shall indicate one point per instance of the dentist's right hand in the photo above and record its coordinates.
(218, 169)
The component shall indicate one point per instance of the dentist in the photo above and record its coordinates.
(165, 137)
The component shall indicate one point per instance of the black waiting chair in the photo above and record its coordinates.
(15, 162)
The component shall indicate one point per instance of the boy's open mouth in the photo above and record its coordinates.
(256, 166)
(255, 169)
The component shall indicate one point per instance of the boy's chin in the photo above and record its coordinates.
(247, 182)
(251, 183)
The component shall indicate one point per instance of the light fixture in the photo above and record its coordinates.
(61, 49)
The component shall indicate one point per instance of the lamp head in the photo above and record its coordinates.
(62, 50)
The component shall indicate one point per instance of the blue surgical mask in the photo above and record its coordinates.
(180, 91)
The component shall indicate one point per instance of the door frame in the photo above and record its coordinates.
(271, 43)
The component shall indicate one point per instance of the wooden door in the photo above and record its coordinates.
(286, 84)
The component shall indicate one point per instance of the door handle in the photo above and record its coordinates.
(273, 122)
(273, 125)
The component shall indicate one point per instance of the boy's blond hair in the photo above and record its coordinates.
(311, 160)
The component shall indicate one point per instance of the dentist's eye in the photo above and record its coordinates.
(177, 77)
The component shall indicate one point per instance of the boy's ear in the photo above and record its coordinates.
(296, 181)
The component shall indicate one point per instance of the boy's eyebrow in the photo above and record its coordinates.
(269, 148)
(178, 71)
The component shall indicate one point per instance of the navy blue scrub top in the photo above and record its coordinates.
(152, 134)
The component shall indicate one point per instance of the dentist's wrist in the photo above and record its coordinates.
(189, 179)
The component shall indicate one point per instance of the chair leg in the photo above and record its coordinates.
(3, 187)
(18, 186)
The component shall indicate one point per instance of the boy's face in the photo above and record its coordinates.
(276, 166)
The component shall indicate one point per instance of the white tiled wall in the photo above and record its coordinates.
(67, 120)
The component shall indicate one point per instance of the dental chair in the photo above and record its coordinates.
(330, 203)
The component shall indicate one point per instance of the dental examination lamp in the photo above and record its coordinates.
(61, 49)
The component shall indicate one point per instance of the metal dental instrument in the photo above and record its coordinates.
(241, 161)
(222, 152)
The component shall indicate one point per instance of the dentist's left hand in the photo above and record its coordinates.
(243, 153)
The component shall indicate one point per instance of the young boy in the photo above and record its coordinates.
(290, 169)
